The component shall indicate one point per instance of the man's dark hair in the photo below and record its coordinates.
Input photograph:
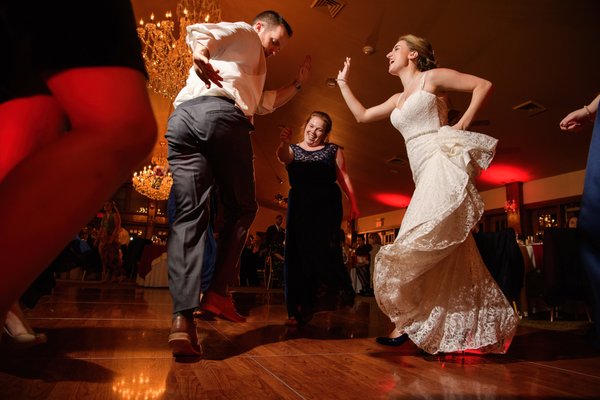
(273, 19)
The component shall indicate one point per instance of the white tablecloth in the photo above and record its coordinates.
(158, 275)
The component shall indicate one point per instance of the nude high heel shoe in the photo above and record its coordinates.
(24, 340)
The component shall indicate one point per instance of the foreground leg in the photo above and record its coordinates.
(190, 193)
(18, 331)
(109, 136)
(231, 151)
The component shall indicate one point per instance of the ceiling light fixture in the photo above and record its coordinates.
(368, 50)
(280, 200)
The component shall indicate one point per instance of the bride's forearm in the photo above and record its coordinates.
(355, 106)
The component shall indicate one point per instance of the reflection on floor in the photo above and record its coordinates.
(109, 341)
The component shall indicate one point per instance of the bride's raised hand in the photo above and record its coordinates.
(344, 73)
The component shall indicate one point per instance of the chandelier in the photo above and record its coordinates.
(155, 180)
(168, 60)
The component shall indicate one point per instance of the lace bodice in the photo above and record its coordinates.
(326, 154)
(422, 112)
(313, 167)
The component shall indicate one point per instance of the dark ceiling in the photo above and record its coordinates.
(540, 51)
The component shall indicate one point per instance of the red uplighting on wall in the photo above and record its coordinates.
(502, 173)
(392, 199)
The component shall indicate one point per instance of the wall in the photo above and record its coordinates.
(554, 187)
(391, 219)
(494, 198)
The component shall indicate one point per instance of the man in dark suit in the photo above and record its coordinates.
(275, 232)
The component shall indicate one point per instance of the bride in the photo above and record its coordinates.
(432, 282)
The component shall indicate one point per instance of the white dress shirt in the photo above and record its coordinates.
(236, 51)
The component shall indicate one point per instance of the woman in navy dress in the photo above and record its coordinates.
(315, 277)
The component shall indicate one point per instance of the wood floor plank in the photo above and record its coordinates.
(109, 341)
(237, 378)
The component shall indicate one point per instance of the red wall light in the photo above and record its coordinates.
(502, 173)
(392, 199)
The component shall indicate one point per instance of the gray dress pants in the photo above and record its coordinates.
(208, 144)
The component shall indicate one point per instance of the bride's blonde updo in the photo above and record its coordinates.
(426, 59)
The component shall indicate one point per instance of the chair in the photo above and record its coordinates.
(134, 254)
(261, 275)
(268, 271)
(270, 275)
(503, 258)
(564, 277)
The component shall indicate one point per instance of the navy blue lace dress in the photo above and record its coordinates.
(314, 272)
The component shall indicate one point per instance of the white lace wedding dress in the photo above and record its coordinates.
(431, 281)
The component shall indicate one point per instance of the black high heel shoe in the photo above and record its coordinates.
(387, 341)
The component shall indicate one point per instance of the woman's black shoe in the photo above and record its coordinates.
(397, 341)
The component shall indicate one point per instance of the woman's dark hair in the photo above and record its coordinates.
(324, 117)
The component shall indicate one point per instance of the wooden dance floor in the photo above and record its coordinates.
(109, 341)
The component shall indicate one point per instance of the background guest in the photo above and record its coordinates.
(108, 243)
(362, 251)
(275, 232)
(375, 243)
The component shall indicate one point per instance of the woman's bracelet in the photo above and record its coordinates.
(589, 113)
(341, 80)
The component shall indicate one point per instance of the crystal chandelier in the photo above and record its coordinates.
(155, 181)
(168, 60)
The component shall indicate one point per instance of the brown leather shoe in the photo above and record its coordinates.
(183, 339)
(221, 306)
